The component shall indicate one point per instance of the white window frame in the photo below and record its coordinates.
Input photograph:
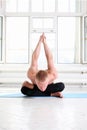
(48, 15)
(3, 45)
(83, 40)
(2, 3)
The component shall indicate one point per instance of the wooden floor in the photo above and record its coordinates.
(42, 113)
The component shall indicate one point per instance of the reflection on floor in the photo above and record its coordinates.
(39, 113)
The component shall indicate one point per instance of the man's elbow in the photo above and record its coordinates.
(28, 75)
(55, 75)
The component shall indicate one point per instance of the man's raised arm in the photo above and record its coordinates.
(48, 54)
(34, 62)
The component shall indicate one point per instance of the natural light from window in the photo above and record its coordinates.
(17, 40)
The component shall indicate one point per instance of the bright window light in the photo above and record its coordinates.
(67, 39)
(37, 5)
(23, 5)
(43, 23)
(17, 5)
(11, 5)
(69, 5)
(43, 5)
(17, 40)
(49, 5)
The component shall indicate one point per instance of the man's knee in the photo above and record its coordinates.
(24, 90)
(61, 86)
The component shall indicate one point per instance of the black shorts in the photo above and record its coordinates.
(51, 88)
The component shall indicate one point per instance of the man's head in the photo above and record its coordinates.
(42, 80)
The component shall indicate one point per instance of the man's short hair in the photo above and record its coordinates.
(41, 75)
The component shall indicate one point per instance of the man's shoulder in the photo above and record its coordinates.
(53, 73)
(32, 71)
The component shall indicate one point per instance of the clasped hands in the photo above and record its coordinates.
(42, 38)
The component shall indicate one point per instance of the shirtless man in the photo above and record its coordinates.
(42, 80)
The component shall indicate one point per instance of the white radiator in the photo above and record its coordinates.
(73, 74)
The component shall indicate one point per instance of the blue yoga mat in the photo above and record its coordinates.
(66, 95)
(75, 95)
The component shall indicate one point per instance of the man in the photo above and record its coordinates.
(42, 80)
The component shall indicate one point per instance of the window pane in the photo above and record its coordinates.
(43, 6)
(69, 5)
(23, 5)
(43, 23)
(17, 40)
(11, 5)
(48, 23)
(49, 5)
(36, 5)
(68, 39)
(63, 5)
(17, 5)
(85, 40)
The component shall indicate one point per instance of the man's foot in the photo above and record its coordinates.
(57, 94)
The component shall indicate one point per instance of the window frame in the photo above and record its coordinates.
(2, 39)
(83, 42)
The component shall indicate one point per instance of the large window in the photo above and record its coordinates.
(60, 20)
